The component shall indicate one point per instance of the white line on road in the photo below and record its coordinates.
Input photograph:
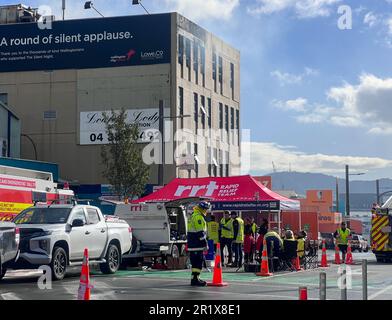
(230, 293)
(380, 292)
(9, 296)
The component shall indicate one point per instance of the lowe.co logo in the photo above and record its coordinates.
(152, 55)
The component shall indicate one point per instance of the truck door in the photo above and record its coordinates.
(78, 236)
(98, 233)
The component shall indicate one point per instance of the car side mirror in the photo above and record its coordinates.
(78, 223)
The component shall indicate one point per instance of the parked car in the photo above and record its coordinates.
(9, 244)
(56, 235)
(329, 240)
(359, 243)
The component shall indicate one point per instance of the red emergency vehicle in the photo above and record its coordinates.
(20, 188)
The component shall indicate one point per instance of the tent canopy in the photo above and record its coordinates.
(225, 193)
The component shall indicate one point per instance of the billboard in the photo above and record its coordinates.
(93, 128)
(87, 43)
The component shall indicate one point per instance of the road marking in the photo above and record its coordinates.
(9, 296)
(375, 295)
(231, 293)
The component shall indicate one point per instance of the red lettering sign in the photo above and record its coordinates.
(17, 183)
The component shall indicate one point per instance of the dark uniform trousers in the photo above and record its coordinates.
(197, 259)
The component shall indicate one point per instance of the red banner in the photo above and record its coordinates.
(17, 183)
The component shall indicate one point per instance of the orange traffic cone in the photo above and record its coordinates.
(297, 264)
(337, 255)
(84, 286)
(349, 256)
(217, 280)
(324, 261)
(303, 293)
(264, 270)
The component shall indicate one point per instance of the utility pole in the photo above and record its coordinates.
(347, 197)
(337, 194)
(162, 144)
(63, 8)
(378, 190)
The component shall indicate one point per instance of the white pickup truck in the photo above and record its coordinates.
(9, 243)
(56, 235)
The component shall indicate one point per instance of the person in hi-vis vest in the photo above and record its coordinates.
(226, 237)
(213, 231)
(238, 239)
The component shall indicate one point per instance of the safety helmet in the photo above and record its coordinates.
(204, 205)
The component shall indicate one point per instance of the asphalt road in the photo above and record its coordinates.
(170, 285)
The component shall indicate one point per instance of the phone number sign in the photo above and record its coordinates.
(93, 128)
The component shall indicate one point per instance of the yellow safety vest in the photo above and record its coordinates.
(301, 247)
(254, 227)
(240, 234)
(228, 234)
(213, 231)
(343, 236)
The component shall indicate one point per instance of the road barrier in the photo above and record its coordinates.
(337, 254)
(323, 286)
(84, 286)
(364, 280)
(349, 257)
(217, 280)
(264, 270)
(324, 262)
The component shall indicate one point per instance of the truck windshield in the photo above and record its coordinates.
(43, 216)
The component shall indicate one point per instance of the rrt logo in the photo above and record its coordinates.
(193, 190)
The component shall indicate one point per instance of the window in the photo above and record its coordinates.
(214, 69)
(93, 217)
(196, 61)
(220, 116)
(215, 162)
(221, 74)
(181, 53)
(237, 120)
(4, 98)
(79, 214)
(227, 120)
(232, 80)
(196, 111)
(203, 111)
(227, 161)
(209, 113)
(188, 57)
(232, 124)
(203, 64)
(221, 163)
(209, 161)
(181, 105)
(196, 160)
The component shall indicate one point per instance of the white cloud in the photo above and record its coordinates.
(302, 8)
(204, 9)
(367, 105)
(370, 19)
(298, 105)
(285, 78)
(263, 153)
(388, 22)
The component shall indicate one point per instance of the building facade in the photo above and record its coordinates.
(9, 131)
(61, 79)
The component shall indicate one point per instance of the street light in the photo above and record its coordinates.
(136, 2)
(348, 191)
(89, 5)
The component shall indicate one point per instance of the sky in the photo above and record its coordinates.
(316, 91)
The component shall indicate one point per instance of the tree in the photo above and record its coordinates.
(122, 156)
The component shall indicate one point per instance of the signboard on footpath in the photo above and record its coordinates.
(86, 43)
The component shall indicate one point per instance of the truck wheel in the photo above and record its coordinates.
(59, 263)
(113, 260)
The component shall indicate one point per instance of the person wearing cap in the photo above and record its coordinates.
(197, 241)
(342, 236)
(238, 239)
(226, 237)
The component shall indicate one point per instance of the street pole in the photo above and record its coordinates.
(364, 280)
(378, 190)
(347, 198)
(343, 289)
(162, 144)
(337, 194)
(323, 286)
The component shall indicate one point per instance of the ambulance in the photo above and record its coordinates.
(381, 233)
(21, 188)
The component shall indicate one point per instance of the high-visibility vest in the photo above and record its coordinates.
(228, 234)
(301, 247)
(213, 231)
(197, 232)
(240, 234)
(254, 227)
(343, 236)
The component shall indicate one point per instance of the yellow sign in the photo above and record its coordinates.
(8, 210)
